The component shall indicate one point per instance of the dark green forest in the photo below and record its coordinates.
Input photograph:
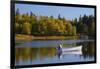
(30, 24)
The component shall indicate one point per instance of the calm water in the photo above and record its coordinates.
(45, 52)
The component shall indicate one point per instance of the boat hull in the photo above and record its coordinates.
(79, 52)
(77, 48)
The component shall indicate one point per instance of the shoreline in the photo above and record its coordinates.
(31, 37)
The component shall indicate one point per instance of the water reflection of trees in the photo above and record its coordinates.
(25, 54)
(31, 54)
(88, 49)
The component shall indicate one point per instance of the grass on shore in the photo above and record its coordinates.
(31, 37)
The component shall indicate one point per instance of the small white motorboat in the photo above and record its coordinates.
(69, 49)
(76, 48)
(79, 52)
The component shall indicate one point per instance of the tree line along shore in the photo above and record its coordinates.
(29, 26)
(31, 37)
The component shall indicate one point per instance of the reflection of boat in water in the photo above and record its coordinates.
(61, 54)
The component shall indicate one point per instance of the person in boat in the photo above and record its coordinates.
(59, 48)
(59, 51)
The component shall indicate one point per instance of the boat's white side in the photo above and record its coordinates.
(77, 48)
(79, 52)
